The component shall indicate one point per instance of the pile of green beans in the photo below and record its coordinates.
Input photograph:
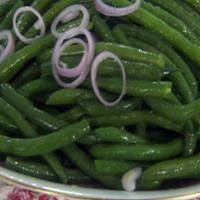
(67, 135)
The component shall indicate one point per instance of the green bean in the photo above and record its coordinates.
(27, 19)
(141, 130)
(134, 118)
(120, 36)
(138, 152)
(37, 87)
(27, 130)
(174, 112)
(136, 88)
(17, 118)
(190, 142)
(8, 19)
(173, 169)
(190, 9)
(155, 40)
(89, 140)
(177, 78)
(49, 17)
(5, 7)
(116, 135)
(28, 74)
(69, 96)
(102, 29)
(7, 125)
(84, 162)
(176, 9)
(194, 3)
(113, 167)
(148, 185)
(131, 54)
(95, 108)
(150, 21)
(36, 116)
(71, 115)
(43, 171)
(137, 70)
(44, 144)
(10, 67)
(172, 21)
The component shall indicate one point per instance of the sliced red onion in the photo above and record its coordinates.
(116, 12)
(129, 179)
(100, 58)
(38, 25)
(68, 14)
(81, 71)
(5, 52)
(72, 72)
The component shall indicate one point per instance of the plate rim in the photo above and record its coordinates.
(82, 193)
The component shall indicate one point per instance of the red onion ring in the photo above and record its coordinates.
(5, 52)
(82, 70)
(68, 14)
(99, 58)
(116, 12)
(66, 72)
(39, 24)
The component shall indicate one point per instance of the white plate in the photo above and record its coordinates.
(81, 192)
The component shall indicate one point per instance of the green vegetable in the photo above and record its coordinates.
(138, 152)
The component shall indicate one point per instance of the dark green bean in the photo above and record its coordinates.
(84, 162)
(43, 171)
(172, 21)
(36, 116)
(113, 167)
(195, 4)
(150, 21)
(44, 144)
(38, 87)
(173, 169)
(134, 118)
(28, 74)
(139, 88)
(5, 7)
(16, 61)
(190, 142)
(116, 135)
(72, 115)
(7, 125)
(69, 96)
(27, 19)
(132, 54)
(156, 41)
(102, 29)
(138, 152)
(95, 108)
(174, 112)
(177, 10)
(8, 18)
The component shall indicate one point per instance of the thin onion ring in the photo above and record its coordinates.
(116, 12)
(68, 14)
(99, 58)
(10, 44)
(89, 51)
(39, 24)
